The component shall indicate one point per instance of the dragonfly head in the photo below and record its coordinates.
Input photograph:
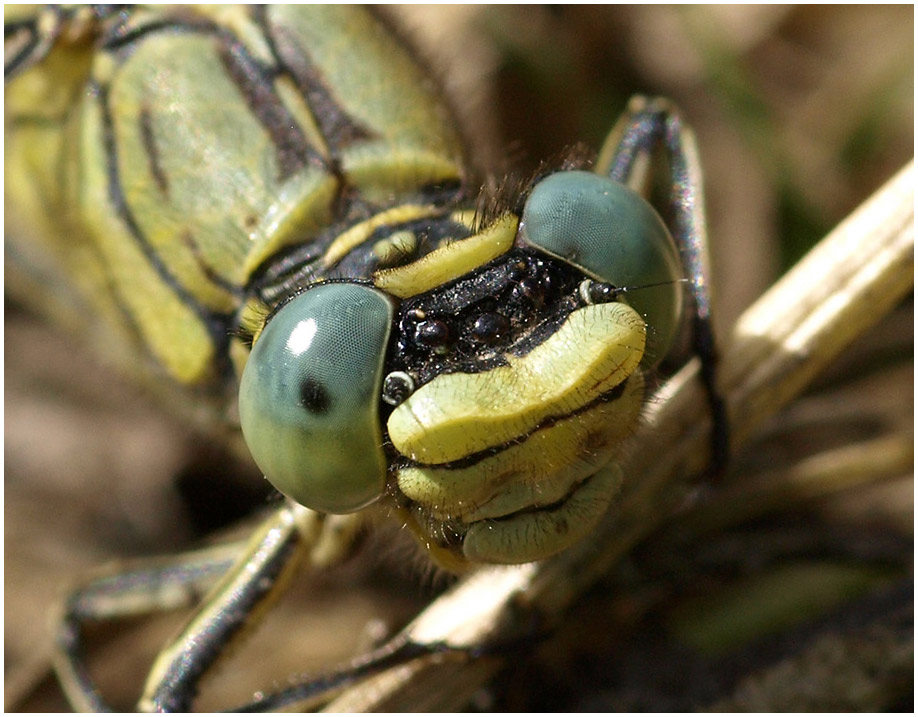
(486, 409)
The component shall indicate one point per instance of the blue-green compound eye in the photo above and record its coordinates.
(309, 397)
(612, 234)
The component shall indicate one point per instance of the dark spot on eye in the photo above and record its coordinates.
(249, 221)
(314, 396)
(490, 327)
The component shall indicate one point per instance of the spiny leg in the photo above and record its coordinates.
(648, 125)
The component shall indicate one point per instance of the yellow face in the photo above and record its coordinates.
(503, 458)
(503, 466)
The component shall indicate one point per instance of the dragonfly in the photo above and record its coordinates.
(269, 214)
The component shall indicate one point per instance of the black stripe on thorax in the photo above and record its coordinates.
(338, 128)
(253, 79)
(256, 85)
(216, 323)
(148, 140)
(30, 40)
(120, 39)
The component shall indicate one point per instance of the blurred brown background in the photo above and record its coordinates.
(800, 113)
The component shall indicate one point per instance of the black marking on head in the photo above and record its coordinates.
(532, 290)
(432, 333)
(508, 306)
(399, 461)
(489, 327)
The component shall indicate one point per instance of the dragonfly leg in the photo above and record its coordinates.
(647, 126)
(127, 590)
(237, 581)
(305, 692)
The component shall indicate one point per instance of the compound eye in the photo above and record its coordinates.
(613, 235)
(309, 397)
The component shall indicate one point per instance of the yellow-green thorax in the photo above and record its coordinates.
(161, 156)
